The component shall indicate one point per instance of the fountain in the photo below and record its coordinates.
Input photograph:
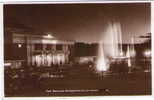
(101, 61)
(110, 46)
(133, 52)
(128, 56)
(112, 39)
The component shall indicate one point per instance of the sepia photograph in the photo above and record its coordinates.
(77, 49)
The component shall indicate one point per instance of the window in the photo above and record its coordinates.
(38, 46)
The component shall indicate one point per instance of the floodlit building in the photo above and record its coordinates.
(35, 50)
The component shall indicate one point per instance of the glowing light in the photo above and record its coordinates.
(48, 36)
(101, 62)
(128, 55)
(133, 53)
(54, 42)
(121, 54)
(128, 51)
(7, 64)
(19, 45)
(113, 39)
(49, 59)
(147, 53)
(38, 60)
(50, 41)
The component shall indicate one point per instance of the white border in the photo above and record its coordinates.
(70, 1)
(1, 53)
(152, 31)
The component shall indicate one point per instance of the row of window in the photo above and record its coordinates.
(44, 46)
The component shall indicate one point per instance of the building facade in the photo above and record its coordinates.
(37, 50)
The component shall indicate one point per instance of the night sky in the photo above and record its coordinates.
(82, 22)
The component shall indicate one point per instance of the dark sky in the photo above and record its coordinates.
(82, 22)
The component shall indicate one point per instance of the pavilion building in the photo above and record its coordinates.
(35, 49)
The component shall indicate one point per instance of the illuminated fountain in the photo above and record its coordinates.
(110, 49)
(133, 52)
(110, 46)
(101, 61)
(112, 39)
(130, 54)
